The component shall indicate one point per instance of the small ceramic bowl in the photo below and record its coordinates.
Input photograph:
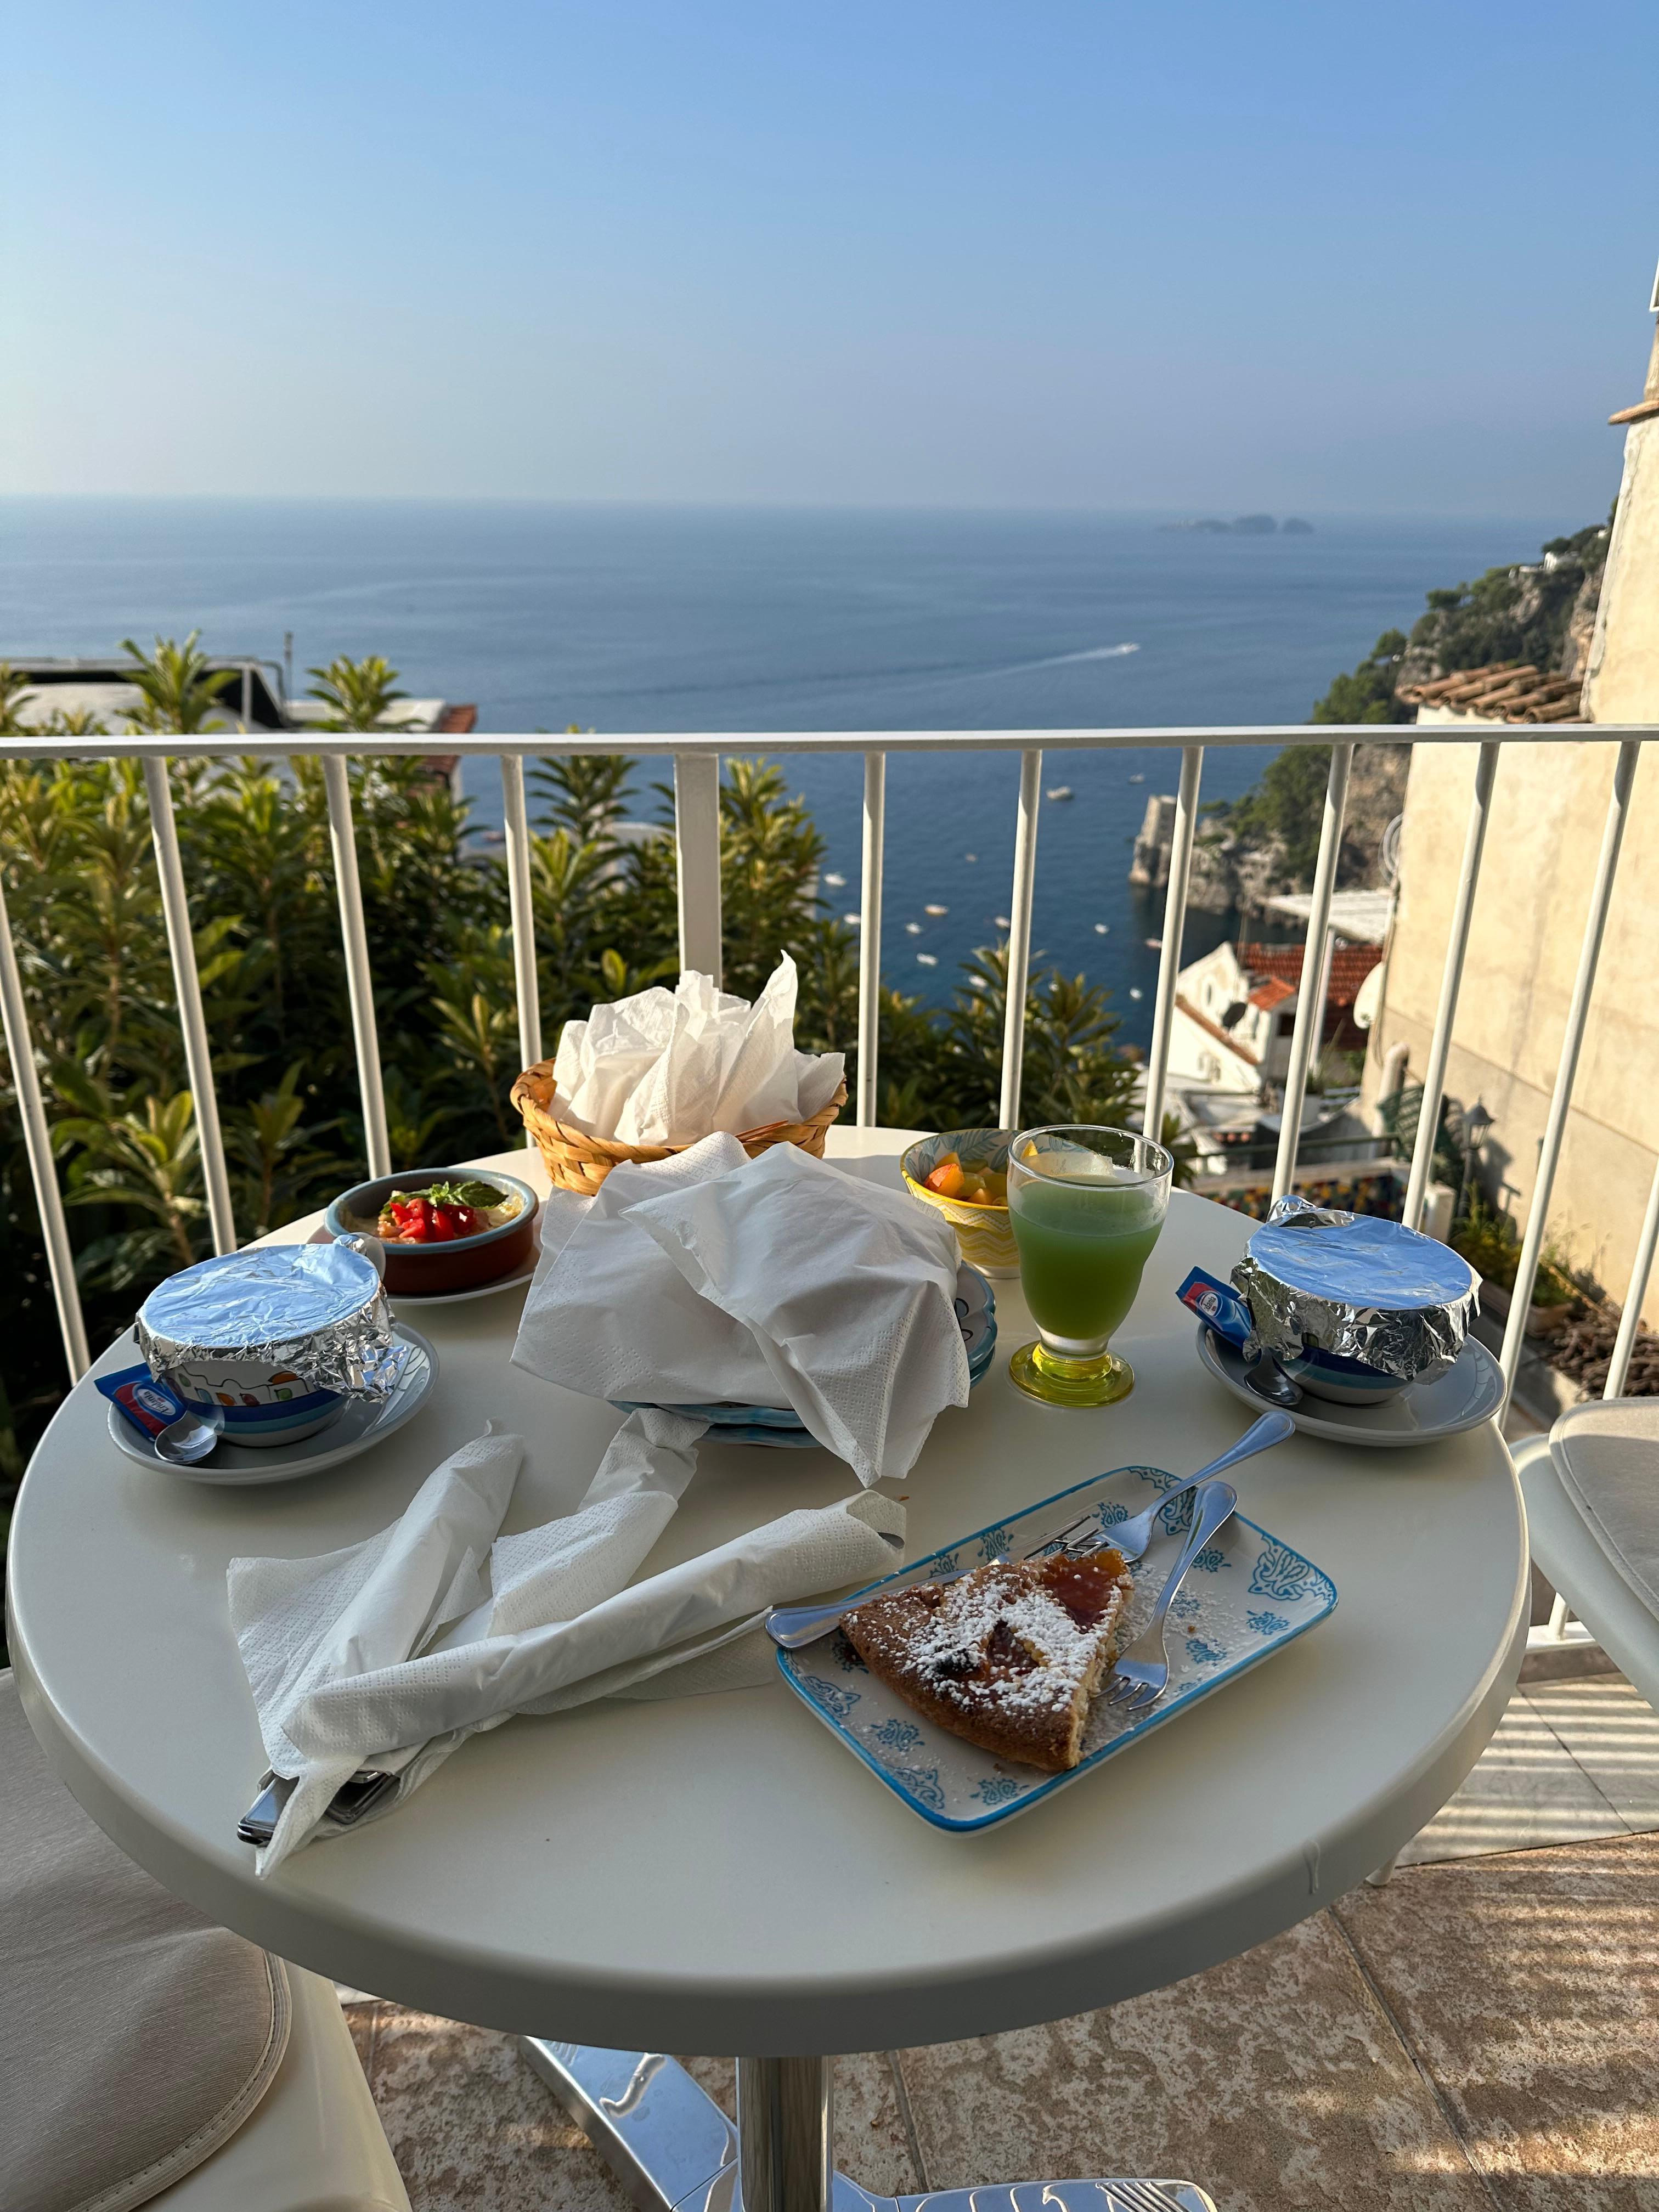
(1349, 1381)
(414, 1270)
(203, 1327)
(984, 1232)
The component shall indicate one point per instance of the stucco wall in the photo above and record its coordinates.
(1549, 807)
(1622, 685)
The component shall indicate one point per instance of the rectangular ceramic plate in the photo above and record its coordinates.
(1246, 1597)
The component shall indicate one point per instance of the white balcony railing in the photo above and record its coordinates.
(696, 801)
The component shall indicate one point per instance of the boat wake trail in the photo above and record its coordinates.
(1051, 660)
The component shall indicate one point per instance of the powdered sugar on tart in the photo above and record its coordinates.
(1008, 1656)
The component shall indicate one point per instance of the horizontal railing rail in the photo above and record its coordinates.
(696, 831)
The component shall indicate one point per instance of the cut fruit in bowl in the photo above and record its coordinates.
(443, 1229)
(964, 1175)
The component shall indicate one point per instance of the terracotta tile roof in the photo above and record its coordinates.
(1282, 963)
(1508, 691)
(1267, 995)
(456, 722)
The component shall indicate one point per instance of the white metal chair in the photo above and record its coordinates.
(1566, 1553)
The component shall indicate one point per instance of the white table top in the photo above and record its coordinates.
(715, 1873)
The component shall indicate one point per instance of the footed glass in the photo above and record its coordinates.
(1086, 1204)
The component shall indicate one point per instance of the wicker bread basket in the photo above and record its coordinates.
(577, 1161)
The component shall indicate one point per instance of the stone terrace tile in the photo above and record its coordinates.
(1526, 1788)
(1275, 2081)
(1529, 1987)
(472, 2129)
(1613, 1733)
(870, 2145)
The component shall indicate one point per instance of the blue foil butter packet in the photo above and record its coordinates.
(148, 1404)
(1220, 1304)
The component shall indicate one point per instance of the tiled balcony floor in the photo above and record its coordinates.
(1484, 2034)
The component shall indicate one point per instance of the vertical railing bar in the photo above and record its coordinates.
(697, 853)
(360, 982)
(1175, 923)
(875, 822)
(1631, 1319)
(1304, 1037)
(187, 988)
(37, 1140)
(1555, 1126)
(1451, 982)
(515, 817)
(1020, 935)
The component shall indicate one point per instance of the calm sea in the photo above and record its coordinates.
(624, 619)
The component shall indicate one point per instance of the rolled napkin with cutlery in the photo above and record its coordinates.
(389, 1654)
(776, 1281)
(666, 1067)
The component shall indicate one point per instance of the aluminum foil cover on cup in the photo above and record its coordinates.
(1362, 1288)
(317, 1308)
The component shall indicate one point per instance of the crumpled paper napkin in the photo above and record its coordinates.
(847, 1289)
(777, 1282)
(665, 1067)
(392, 1652)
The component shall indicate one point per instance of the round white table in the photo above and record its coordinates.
(714, 1873)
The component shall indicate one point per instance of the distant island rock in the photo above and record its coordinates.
(1247, 525)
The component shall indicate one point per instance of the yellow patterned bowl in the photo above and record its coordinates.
(984, 1232)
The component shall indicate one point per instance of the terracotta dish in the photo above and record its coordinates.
(463, 1263)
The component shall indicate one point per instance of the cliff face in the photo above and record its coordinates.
(1540, 612)
(1243, 868)
(1543, 611)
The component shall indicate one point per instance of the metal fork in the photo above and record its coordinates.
(1142, 1673)
(792, 1625)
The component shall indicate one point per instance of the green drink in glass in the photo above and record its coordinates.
(1086, 1205)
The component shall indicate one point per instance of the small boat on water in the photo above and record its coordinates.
(971, 856)
(927, 959)
(838, 882)
(1002, 921)
(914, 928)
(1136, 778)
(1062, 791)
(1102, 929)
(1134, 990)
(936, 910)
(1155, 944)
(851, 919)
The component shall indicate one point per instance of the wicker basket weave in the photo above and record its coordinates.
(577, 1161)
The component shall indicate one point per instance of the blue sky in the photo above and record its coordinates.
(1183, 256)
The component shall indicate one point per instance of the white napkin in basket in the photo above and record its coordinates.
(665, 1067)
(392, 1652)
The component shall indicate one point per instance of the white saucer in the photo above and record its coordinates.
(413, 1299)
(1469, 1392)
(363, 1423)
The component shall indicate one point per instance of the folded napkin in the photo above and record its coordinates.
(664, 1067)
(391, 1653)
(777, 1282)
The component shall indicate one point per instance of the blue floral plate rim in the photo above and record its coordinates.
(1007, 1797)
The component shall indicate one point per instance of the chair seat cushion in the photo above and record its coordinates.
(1607, 1454)
(135, 2036)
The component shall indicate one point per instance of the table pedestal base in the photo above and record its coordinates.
(674, 2150)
